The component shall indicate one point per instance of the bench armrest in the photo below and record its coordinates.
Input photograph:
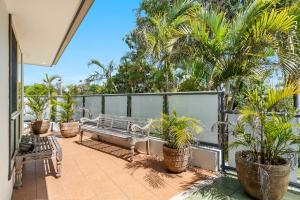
(145, 129)
(86, 120)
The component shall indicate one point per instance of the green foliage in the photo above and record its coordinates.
(265, 129)
(67, 108)
(134, 77)
(37, 105)
(177, 131)
(48, 81)
(103, 73)
(37, 100)
(35, 89)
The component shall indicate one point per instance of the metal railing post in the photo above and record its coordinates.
(83, 106)
(103, 104)
(222, 112)
(165, 104)
(128, 105)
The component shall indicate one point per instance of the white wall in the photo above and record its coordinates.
(5, 185)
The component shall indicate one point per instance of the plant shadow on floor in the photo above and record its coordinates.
(108, 148)
(218, 189)
(157, 174)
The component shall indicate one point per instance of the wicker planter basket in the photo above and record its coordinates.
(40, 126)
(70, 129)
(248, 175)
(176, 160)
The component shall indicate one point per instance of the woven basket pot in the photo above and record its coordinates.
(176, 160)
(70, 129)
(40, 126)
(248, 175)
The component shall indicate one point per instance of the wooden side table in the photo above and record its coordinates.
(44, 148)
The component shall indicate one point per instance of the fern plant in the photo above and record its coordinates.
(67, 111)
(265, 129)
(177, 131)
(37, 105)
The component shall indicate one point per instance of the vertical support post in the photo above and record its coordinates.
(128, 105)
(296, 101)
(222, 127)
(165, 104)
(83, 106)
(103, 105)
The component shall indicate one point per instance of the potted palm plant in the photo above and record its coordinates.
(178, 134)
(38, 105)
(265, 130)
(68, 127)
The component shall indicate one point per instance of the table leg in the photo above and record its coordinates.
(58, 163)
(18, 172)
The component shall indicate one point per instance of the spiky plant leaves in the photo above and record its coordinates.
(37, 105)
(266, 130)
(67, 108)
(178, 132)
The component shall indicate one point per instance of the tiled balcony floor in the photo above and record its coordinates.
(102, 172)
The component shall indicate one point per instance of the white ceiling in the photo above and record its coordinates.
(41, 26)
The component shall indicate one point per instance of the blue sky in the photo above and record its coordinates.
(100, 36)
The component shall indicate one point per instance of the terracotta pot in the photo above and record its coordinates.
(40, 126)
(248, 175)
(176, 160)
(70, 129)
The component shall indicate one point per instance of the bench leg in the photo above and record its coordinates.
(132, 146)
(18, 172)
(148, 147)
(81, 134)
(58, 163)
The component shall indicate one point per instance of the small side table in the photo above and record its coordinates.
(44, 148)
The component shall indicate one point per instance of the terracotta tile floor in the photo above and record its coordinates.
(102, 172)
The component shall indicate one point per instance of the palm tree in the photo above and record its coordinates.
(162, 33)
(228, 50)
(104, 73)
(48, 81)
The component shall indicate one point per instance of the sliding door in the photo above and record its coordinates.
(15, 95)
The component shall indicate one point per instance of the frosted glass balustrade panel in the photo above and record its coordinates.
(146, 106)
(78, 104)
(203, 107)
(116, 105)
(94, 105)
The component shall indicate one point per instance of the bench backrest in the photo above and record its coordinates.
(122, 124)
(118, 122)
(105, 122)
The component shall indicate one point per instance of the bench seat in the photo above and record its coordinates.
(126, 128)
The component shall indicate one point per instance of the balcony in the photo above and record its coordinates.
(98, 170)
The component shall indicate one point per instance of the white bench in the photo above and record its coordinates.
(127, 128)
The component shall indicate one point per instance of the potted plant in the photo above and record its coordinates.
(178, 134)
(38, 105)
(265, 130)
(68, 127)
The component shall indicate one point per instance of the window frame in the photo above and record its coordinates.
(15, 110)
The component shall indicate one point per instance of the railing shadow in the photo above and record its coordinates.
(34, 180)
(108, 148)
